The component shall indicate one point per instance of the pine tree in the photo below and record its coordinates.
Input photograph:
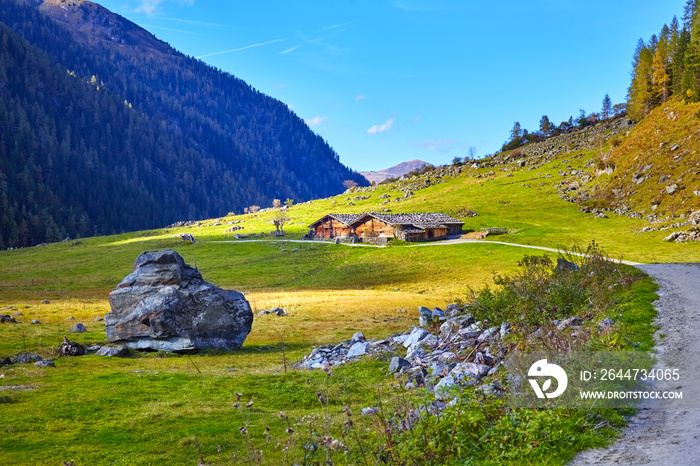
(691, 81)
(545, 126)
(516, 133)
(688, 14)
(607, 107)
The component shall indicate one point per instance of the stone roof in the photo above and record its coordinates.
(418, 220)
(412, 222)
(346, 219)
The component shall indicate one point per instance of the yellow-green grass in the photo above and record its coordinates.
(149, 409)
(523, 200)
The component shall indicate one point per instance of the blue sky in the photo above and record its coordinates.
(386, 81)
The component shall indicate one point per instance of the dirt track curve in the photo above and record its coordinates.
(667, 435)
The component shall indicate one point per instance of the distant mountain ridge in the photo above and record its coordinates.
(395, 171)
(104, 128)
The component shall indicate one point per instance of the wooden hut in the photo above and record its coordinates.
(407, 227)
(334, 226)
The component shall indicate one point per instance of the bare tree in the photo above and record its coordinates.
(276, 203)
(254, 208)
(280, 220)
(349, 184)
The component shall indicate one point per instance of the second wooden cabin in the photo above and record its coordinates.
(406, 227)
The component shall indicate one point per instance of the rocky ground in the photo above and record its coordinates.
(666, 434)
(447, 348)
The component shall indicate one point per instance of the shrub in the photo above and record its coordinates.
(536, 294)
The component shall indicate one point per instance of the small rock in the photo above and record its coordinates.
(6, 319)
(673, 236)
(69, 348)
(44, 364)
(505, 329)
(34, 321)
(443, 387)
(17, 314)
(112, 351)
(46, 301)
(489, 334)
(278, 312)
(94, 348)
(416, 335)
(359, 336)
(401, 310)
(98, 319)
(492, 389)
(70, 318)
(425, 316)
(469, 372)
(448, 329)
(358, 349)
(78, 328)
(452, 310)
(264, 312)
(369, 411)
(564, 265)
(397, 364)
(569, 322)
(605, 325)
(415, 351)
(672, 188)
(417, 376)
(26, 358)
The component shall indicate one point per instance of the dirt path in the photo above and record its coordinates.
(658, 436)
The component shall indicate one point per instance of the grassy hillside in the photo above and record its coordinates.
(659, 152)
(162, 409)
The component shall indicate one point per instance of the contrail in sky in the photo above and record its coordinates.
(242, 48)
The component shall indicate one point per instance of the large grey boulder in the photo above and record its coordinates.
(165, 304)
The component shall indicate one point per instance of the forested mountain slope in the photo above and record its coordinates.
(104, 128)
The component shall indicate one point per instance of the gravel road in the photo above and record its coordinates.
(666, 435)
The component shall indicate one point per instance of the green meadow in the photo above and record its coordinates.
(157, 408)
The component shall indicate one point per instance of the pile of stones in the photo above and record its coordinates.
(447, 349)
(683, 236)
(329, 356)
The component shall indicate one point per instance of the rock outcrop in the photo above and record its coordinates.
(165, 304)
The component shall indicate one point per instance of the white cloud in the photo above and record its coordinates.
(335, 26)
(316, 121)
(381, 128)
(359, 97)
(438, 145)
(289, 50)
(148, 6)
